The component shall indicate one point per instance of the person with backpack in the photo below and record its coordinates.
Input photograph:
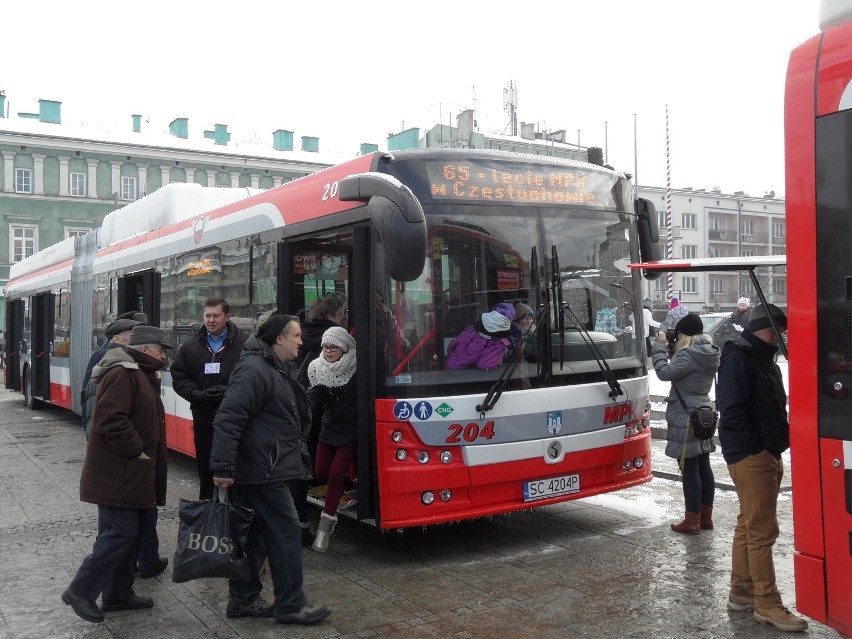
(691, 368)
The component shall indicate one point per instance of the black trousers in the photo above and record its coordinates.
(203, 438)
(110, 567)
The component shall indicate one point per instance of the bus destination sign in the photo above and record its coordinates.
(473, 181)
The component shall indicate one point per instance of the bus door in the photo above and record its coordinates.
(15, 312)
(41, 318)
(140, 292)
(325, 264)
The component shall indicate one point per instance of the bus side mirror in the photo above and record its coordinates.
(649, 235)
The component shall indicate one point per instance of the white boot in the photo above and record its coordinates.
(324, 530)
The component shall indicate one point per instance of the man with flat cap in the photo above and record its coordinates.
(124, 472)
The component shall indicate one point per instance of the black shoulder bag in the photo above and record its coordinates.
(703, 419)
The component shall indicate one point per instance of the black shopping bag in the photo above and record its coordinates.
(211, 538)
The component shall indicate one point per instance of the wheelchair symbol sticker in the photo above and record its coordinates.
(402, 411)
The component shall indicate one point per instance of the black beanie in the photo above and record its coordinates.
(758, 319)
(690, 324)
(273, 327)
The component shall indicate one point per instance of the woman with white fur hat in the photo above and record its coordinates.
(334, 401)
(741, 313)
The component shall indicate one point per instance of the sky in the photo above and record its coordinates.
(353, 72)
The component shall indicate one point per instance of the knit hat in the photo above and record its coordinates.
(674, 302)
(522, 311)
(646, 303)
(149, 335)
(121, 325)
(690, 324)
(500, 319)
(337, 336)
(743, 300)
(759, 320)
(272, 328)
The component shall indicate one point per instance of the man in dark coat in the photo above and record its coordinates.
(124, 473)
(258, 447)
(200, 375)
(754, 431)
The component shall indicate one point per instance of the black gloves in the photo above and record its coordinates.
(212, 395)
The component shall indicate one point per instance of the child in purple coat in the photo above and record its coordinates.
(483, 344)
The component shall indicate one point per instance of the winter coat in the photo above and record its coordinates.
(474, 349)
(128, 419)
(89, 388)
(675, 315)
(752, 400)
(740, 318)
(261, 428)
(311, 348)
(337, 407)
(204, 391)
(692, 370)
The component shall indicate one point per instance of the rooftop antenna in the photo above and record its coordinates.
(510, 105)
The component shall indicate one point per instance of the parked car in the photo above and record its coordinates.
(719, 327)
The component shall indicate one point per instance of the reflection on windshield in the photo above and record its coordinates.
(478, 268)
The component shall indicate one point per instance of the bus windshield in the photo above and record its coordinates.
(480, 256)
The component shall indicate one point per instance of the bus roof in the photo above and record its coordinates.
(712, 264)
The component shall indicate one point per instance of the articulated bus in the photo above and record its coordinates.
(420, 243)
(818, 132)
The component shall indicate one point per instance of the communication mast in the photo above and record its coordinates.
(510, 104)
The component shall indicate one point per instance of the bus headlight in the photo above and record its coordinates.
(446, 494)
(638, 462)
(626, 465)
(427, 498)
(446, 457)
(401, 455)
(423, 456)
(396, 436)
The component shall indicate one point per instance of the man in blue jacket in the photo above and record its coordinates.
(259, 445)
(754, 431)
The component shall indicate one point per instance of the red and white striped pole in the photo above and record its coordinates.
(669, 242)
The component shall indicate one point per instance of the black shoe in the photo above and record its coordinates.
(85, 608)
(308, 536)
(306, 616)
(257, 608)
(134, 602)
(155, 570)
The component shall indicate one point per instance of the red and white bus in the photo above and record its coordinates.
(420, 243)
(818, 132)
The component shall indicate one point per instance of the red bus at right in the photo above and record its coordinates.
(818, 132)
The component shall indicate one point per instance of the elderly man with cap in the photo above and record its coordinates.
(259, 446)
(754, 431)
(124, 472)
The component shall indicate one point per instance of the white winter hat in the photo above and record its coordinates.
(337, 336)
(743, 300)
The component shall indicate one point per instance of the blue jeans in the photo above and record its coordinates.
(699, 485)
(109, 569)
(276, 535)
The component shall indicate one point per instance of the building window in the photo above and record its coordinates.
(128, 188)
(716, 285)
(778, 230)
(690, 284)
(688, 251)
(747, 253)
(23, 180)
(72, 231)
(779, 287)
(689, 221)
(748, 227)
(717, 224)
(78, 184)
(23, 240)
(661, 219)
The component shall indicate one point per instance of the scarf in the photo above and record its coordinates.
(321, 372)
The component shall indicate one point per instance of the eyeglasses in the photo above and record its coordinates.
(330, 349)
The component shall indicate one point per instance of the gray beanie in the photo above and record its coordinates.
(337, 336)
(759, 320)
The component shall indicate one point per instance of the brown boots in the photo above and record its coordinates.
(691, 524)
(706, 517)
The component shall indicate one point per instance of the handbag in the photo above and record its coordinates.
(702, 420)
(211, 537)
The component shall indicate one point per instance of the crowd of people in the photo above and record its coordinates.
(276, 410)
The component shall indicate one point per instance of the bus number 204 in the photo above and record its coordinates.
(470, 433)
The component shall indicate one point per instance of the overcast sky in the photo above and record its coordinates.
(352, 72)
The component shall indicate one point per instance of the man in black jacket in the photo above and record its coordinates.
(258, 447)
(754, 432)
(200, 375)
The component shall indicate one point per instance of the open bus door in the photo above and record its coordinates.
(311, 267)
(140, 292)
(37, 378)
(14, 342)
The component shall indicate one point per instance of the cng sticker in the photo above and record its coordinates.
(444, 409)
(554, 421)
